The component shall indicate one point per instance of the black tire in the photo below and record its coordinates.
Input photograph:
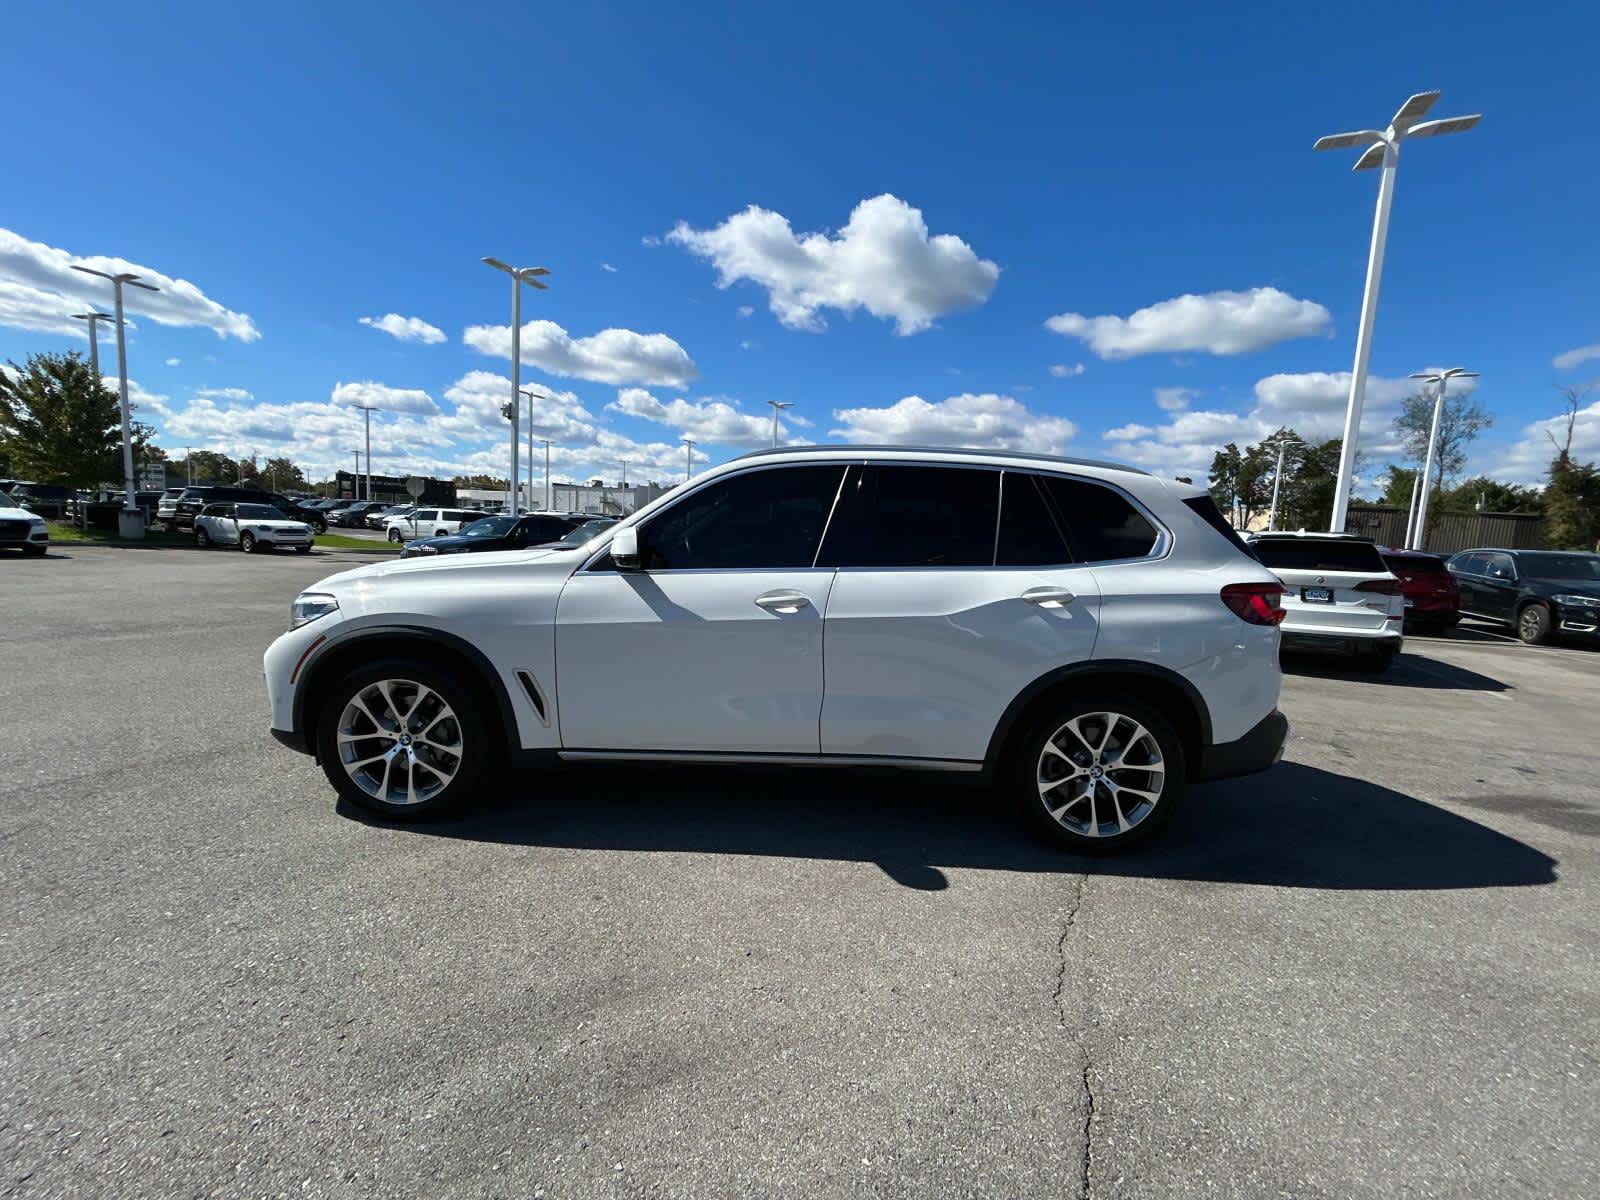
(320, 525)
(34, 551)
(306, 549)
(396, 537)
(1030, 770)
(475, 733)
(202, 538)
(247, 542)
(1534, 624)
(1376, 662)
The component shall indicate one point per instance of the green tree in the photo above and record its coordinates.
(480, 481)
(1482, 494)
(207, 466)
(1241, 481)
(1306, 501)
(60, 425)
(281, 474)
(1397, 484)
(1460, 422)
(1572, 489)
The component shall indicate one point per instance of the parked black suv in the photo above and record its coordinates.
(1538, 593)
(296, 510)
(192, 499)
(502, 533)
(355, 515)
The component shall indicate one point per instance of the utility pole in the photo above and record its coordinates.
(356, 485)
(94, 319)
(188, 462)
(688, 458)
(130, 522)
(777, 407)
(1382, 150)
(519, 276)
(366, 412)
(532, 395)
(549, 501)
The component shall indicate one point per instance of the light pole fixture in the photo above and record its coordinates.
(130, 522)
(777, 407)
(533, 394)
(688, 458)
(356, 486)
(519, 276)
(1416, 534)
(1382, 150)
(94, 319)
(366, 413)
(1282, 444)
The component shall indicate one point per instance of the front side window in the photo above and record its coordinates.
(914, 516)
(1101, 524)
(770, 519)
(1499, 566)
(489, 527)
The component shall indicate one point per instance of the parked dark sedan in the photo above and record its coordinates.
(355, 515)
(498, 533)
(1538, 593)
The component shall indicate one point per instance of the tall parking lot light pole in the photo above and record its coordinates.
(94, 319)
(519, 276)
(533, 394)
(549, 501)
(130, 521)
(366, 412)
(1417, 536)
(356, 486)
(777, 407)
(1382, 150)
(1277, 479)
(688, 459)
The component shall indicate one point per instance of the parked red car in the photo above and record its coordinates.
(1433, 600)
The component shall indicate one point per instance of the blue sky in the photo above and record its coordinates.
(870, 211)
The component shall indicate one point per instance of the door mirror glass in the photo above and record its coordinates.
(625, 549)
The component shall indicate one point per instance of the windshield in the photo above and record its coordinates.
(586, 532)
(1584, 567)
(259, 512)
(1319, 554)
(489, 527)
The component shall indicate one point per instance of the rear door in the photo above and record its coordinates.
(955, 589)
(1323, 580)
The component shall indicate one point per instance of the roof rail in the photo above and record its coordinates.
(847, 448)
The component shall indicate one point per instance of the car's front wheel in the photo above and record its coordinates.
(1533, 624)
(1098, 774)
(303, 549)
(406, 740)
(395, 536)
(247, 542)
(202, 538)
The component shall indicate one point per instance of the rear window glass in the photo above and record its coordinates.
(1029, 536)
(1206, 509)
(1317, 554)
(1414, 564)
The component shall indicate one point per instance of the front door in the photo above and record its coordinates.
(715, 645)
(1498, 587)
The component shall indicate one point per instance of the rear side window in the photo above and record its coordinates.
(1320, 554)
(1206, 509)
(428, 514)
(1029, 535)
(893, 516)
(770, 519)
(458, 515)
(1101, 524)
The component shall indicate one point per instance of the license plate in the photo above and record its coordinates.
(1317, 595)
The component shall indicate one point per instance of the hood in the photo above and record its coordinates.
(451, 541)
(407, 568)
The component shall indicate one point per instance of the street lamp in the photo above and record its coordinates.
(366, 413)
(94, 318)
(777, 407)
(532, 395)
(519, 276)
(356, 487)
(1382, 150)
(130, 522)
(1283, 444)
(1416, 532)
(688, 458)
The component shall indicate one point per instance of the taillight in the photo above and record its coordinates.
(1384, 587)
(1255, 603)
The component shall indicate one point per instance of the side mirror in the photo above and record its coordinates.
(625, 549)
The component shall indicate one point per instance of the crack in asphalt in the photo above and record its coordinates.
(1086, 1177)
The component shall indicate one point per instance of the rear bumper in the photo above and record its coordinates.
(1342, 643)
(1255, 751)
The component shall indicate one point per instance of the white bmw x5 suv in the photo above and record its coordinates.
(1088, 636)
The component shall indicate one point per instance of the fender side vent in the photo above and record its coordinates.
(535, 696)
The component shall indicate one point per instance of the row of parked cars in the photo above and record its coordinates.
(1344, 594)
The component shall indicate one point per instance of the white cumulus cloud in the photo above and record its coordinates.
(478, 395)
(614, 356)
(986, 421)
(381, 395)
(1063, 371)
(406, 329)
(1216, 323)
(705, 420)
(1174, 399)
(1573, 358)
(883, 261)
(40, 291)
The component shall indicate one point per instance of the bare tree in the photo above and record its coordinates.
(1572, 395)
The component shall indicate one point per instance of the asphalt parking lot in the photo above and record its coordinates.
(1371, 971)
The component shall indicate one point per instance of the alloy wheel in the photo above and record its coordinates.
(1101, 774)
(399, 741)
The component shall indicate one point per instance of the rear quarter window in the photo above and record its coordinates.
(1206, 509)
(1314, 554)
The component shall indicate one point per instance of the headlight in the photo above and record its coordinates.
(308, 606)
(1582, 601)
(427, 549)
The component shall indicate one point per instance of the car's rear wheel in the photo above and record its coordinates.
(1533, 624)
(1098, 774)
(406, 740)
(202, 538)
(1376, 662)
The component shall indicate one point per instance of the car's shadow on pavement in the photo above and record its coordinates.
(1409, 671)
(1293, 826)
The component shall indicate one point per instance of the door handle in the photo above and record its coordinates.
(1049, 597)
(783, 600)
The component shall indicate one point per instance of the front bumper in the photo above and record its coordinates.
(1255, 751)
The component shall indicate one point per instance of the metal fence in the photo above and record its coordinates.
(1448, 531)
